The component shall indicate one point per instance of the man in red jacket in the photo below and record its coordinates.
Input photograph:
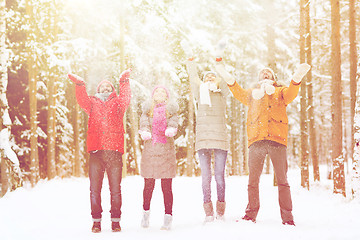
(105, 142)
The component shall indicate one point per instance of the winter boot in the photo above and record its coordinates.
(115, 226)
(96, 228)
(167, 222)
(220, 210)
(209, 212)
(289, 223)
(145, 219)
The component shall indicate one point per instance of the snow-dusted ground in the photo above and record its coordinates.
(60, 209)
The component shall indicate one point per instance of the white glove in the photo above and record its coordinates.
(170, 132)
(266, 86)
(145, 135)
(186, 47)
(300, 72)
(228, 78)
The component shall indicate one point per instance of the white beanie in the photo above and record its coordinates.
(270, 70)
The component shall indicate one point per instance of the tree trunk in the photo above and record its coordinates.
(355, 180)
(337, 155)
(233, 139)
(312, 132)
(353, 69)
(3, 84)
(191, 137)
(51, 130)
(76, 124)
(134, 129)
(303, 103)
(31, 67)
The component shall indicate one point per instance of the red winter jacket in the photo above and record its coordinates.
(105, 126)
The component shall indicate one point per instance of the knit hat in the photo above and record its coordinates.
(102, 82)
(270, 70)
(207, 73)
(163, 87)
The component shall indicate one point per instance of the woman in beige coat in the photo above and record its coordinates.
(158, 126)
(211, 135)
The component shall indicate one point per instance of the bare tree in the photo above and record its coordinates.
(337, 153)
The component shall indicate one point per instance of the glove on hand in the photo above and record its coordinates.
(230, 80)
(266, 86)
(124, 77)
(170, 132)
(145, 135)
(76, 79)
(300, 72)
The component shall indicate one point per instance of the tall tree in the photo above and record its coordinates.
(353, 67)
(337, 154)
(303, 103)
(3, 84)
(354, 150)
(31, 67)
(191, 136)
(309, 85)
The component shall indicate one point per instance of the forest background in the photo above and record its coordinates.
(43, 130)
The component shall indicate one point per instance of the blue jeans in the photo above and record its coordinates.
(111, 162)
(219, 170)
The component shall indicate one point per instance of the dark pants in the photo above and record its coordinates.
(277, 153)
(111, 162)
(166, 186)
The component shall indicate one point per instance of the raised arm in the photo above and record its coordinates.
(238, 92)
(81, 95)
(290, 93)
(124, 90)
(193, 77)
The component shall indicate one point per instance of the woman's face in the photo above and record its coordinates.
(266, 74)
(160, 95)
(210, 78)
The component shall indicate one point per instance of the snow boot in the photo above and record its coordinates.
(167, 222)
(220, 210)
(96, 228)
(115, 226)
(145, 219)
(289, 223)
(247, 218)
(209, 212)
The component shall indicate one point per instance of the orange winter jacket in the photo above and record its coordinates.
(267, 117)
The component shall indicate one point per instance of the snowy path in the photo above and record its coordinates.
(59, 209)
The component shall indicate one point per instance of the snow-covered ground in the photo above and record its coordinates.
(60, 209)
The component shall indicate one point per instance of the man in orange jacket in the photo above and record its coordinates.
(267, 130)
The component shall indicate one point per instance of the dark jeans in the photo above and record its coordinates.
(110, 162)
(166, 186)
(277, 153)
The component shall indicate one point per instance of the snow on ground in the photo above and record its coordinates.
(60, 209)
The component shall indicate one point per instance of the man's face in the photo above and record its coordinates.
(266, 74)
(105, 88)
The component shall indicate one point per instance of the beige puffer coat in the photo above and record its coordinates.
(158, 160)
(211, 130)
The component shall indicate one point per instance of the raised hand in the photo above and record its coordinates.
(300, 72)
(125, 75)
(76, 79)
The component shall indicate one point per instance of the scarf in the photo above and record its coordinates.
(103, 96)
(159, 124)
